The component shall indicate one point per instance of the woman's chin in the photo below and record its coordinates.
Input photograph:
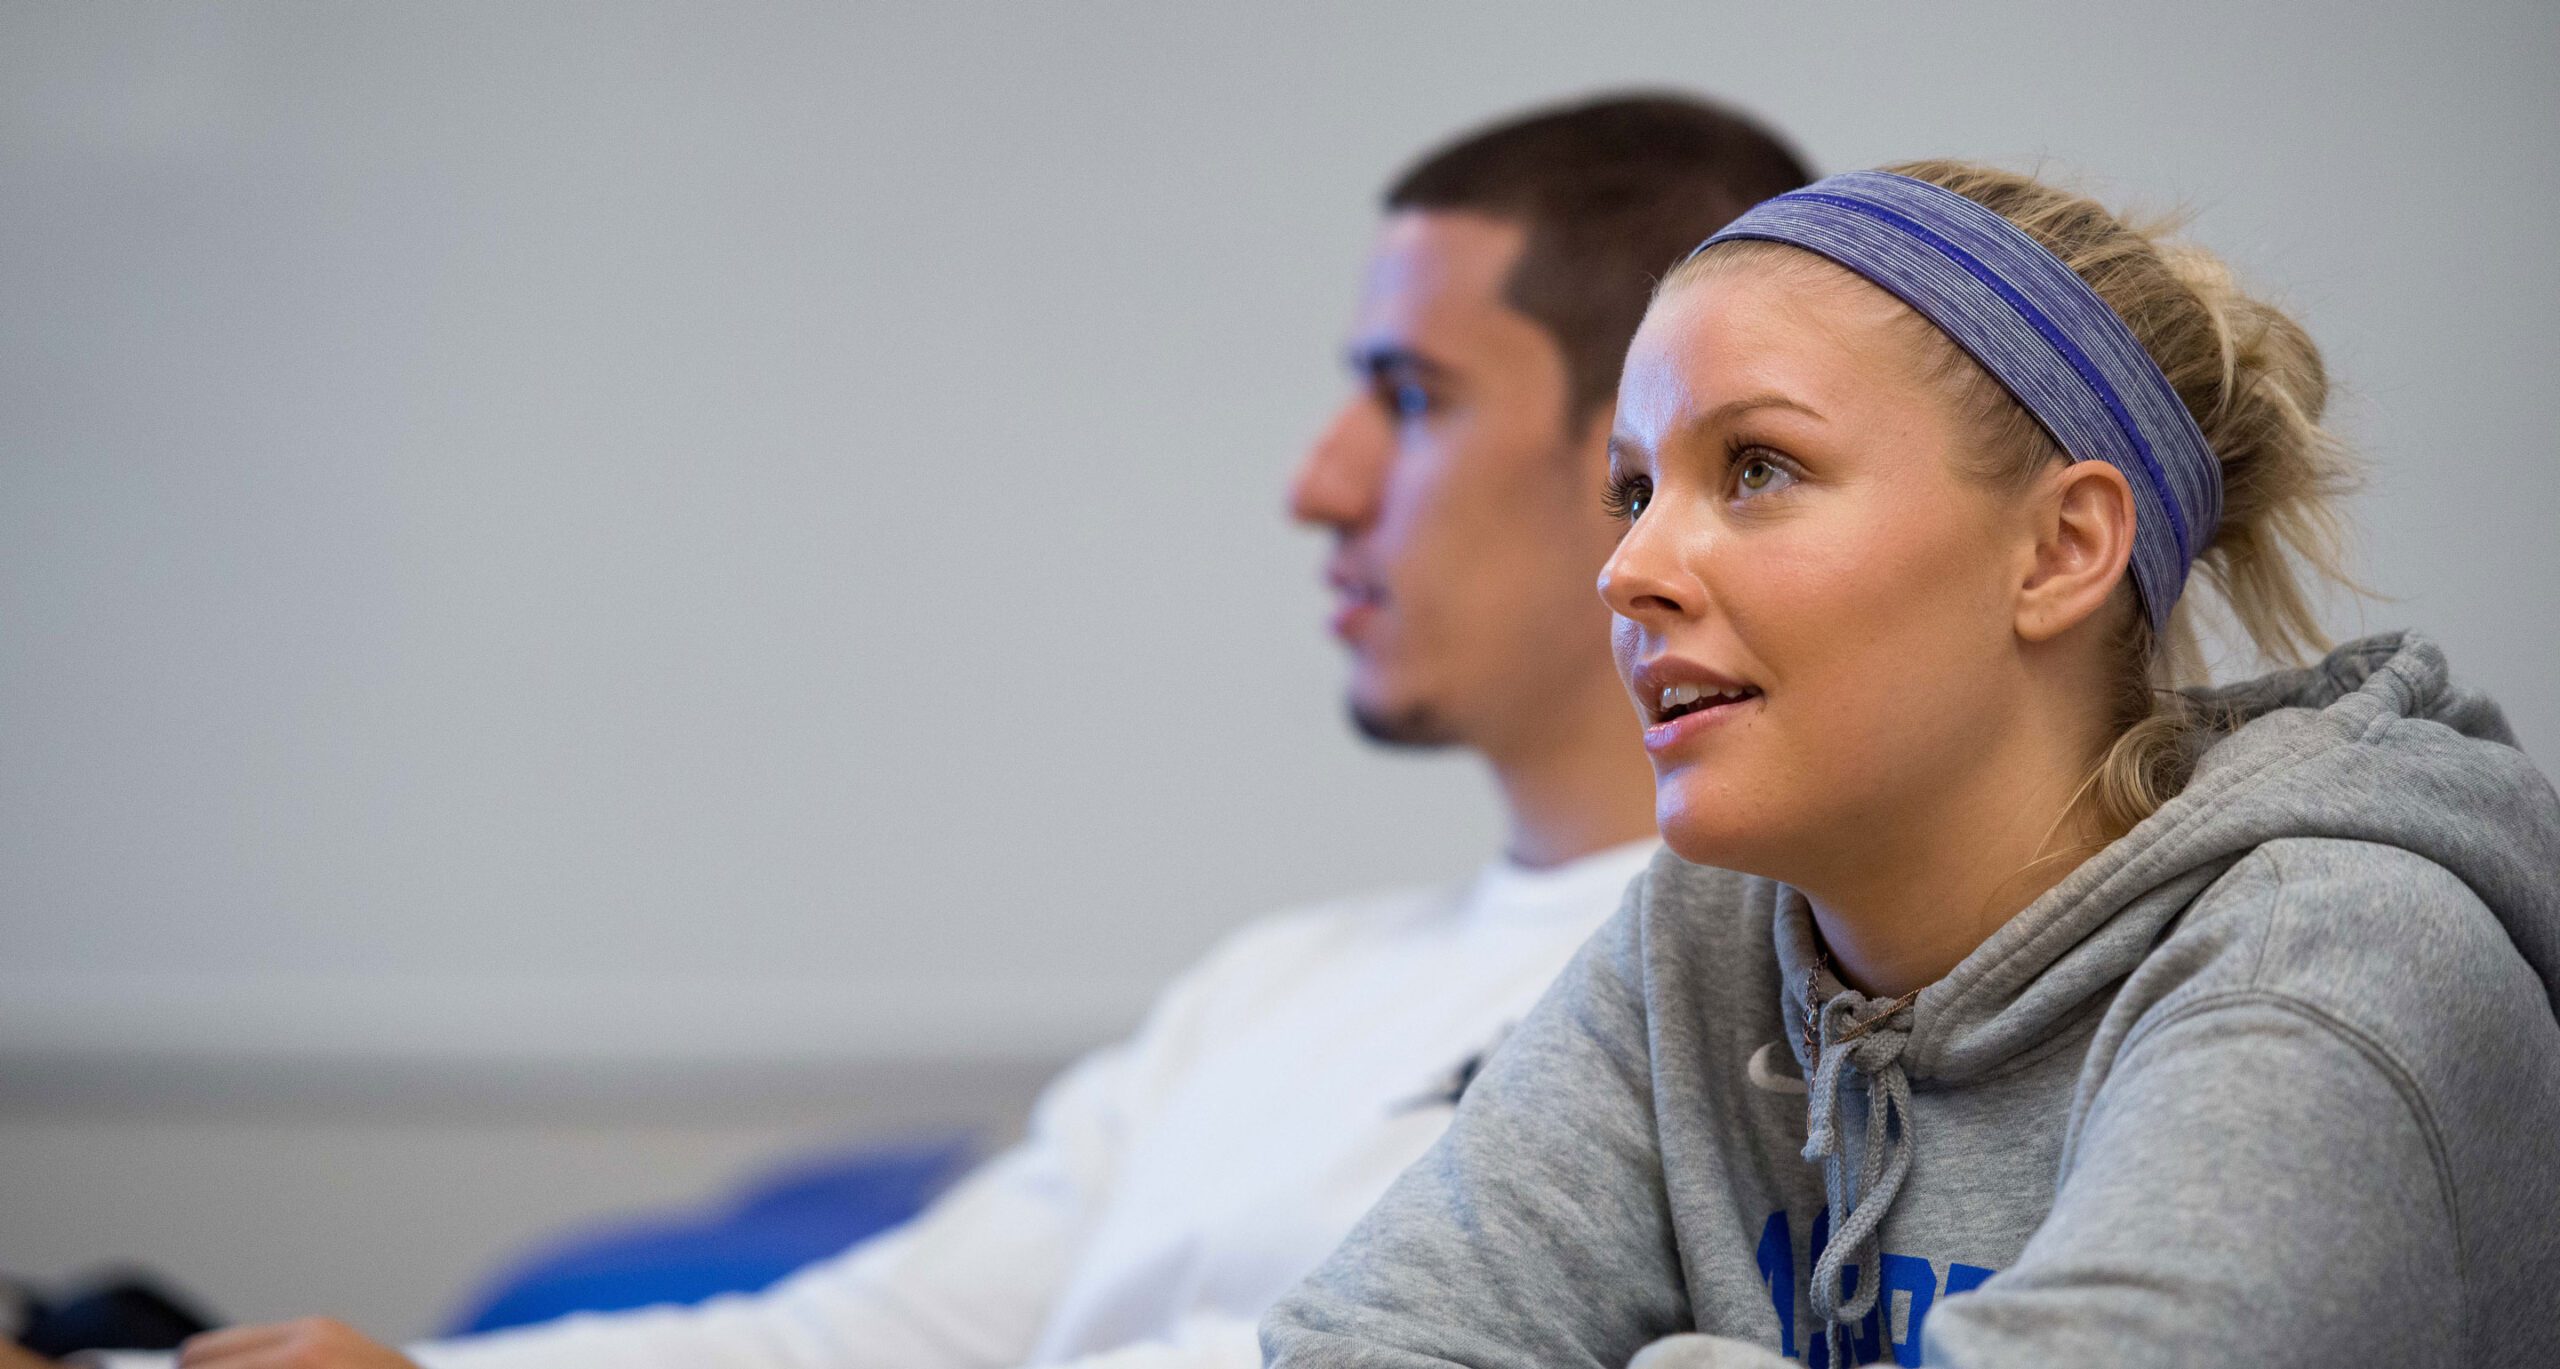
(1716, 830)
(1708, 840)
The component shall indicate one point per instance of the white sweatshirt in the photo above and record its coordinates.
(1172, 1186)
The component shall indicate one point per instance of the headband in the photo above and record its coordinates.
(2038, 329)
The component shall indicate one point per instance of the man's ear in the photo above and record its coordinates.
(2082, 516)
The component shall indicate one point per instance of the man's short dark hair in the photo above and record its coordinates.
(1613, 192)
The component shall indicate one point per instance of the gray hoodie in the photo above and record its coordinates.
(2273, 1080)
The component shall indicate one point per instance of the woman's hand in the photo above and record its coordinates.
(309, 1343)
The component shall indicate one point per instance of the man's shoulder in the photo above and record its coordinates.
(1275, 958)
(1316, 932)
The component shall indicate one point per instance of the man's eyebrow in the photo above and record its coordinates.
(1384, 359)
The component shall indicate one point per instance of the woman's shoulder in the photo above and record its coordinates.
(2359, 970)
(2368, 940)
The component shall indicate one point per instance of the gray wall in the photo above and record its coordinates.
(665, 544)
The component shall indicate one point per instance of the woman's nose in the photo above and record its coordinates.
(1644, 580)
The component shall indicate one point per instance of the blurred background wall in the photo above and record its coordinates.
(590, 593)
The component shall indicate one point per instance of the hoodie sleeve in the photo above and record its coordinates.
(1536, 1232)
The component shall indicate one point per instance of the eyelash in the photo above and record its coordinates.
(1620, 501)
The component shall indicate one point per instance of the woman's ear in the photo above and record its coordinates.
(2083, 515)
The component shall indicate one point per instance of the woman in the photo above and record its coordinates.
(2002, 1009)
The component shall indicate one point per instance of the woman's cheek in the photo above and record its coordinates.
(1801, 602)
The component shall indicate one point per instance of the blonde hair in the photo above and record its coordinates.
(2256, 386)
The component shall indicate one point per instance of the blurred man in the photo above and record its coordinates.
(1174, 1185)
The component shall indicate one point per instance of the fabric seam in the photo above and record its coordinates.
(2375, 1053)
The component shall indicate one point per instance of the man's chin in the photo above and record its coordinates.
(1408, 724)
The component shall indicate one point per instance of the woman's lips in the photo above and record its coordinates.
(1672, 734)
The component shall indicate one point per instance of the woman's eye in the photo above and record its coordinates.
(1759, 475)
(1409, 401)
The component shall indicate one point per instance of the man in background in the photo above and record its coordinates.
(1174, 1185)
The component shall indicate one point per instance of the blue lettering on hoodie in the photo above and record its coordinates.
(1912, 1285)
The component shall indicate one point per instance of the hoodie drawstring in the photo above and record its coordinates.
(1874, 1051)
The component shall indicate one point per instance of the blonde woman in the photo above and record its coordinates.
(2002, 1008)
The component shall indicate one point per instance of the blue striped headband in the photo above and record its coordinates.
(2038, 329)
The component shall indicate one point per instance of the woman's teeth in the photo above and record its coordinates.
(1689, 698)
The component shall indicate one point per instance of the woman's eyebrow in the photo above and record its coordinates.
(1626, 447)
(1732, 409)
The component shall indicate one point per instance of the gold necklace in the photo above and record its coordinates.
(1813, 1009)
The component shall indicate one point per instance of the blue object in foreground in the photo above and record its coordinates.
(799, 1214)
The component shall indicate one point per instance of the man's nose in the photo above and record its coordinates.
(1337, 482)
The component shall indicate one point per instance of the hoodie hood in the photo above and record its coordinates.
(2375, 743)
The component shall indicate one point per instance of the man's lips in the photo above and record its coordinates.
(1356, 602)
(1351, 617)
